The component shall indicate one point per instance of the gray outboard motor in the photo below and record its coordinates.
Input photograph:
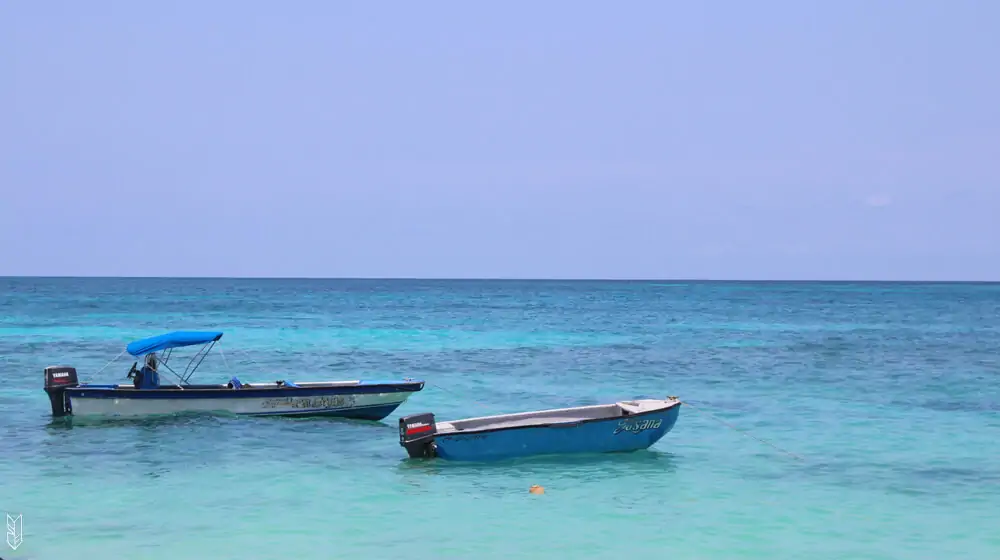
(416, 434)
(57, 380)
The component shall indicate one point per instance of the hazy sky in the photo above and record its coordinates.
(840, 139)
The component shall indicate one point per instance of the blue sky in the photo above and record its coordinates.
(734, 140)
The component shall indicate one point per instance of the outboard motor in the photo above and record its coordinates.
(416, 434)
(57, 380)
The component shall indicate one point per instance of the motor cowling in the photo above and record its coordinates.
(416, 435)
(57, 380)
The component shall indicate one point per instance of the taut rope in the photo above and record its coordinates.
(748, 434)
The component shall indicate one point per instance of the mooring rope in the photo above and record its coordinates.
(744, 432)
(247, 356)
(113, 360)
(223, 355)
(456, 394)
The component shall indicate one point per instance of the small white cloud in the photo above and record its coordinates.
(878, 200)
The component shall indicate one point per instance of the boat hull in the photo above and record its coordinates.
(622, 434)
(367, 402)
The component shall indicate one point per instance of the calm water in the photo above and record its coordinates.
(890, 393)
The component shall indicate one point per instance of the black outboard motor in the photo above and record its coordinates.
(57, 380)
(416, 434)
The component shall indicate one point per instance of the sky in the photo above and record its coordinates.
(848, 140)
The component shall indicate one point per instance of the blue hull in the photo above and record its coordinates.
(593, 436)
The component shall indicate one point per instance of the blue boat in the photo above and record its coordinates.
(618, 427)
(147, 395)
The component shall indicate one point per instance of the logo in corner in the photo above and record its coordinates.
(15, 531)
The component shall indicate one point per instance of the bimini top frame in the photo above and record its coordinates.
(176, 339)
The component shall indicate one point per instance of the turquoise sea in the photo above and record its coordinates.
(887, 394)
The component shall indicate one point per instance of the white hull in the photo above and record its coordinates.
(359, 405)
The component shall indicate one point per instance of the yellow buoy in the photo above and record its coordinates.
(536, 489)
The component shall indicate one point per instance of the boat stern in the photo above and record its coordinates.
(416, 435)
(57, 380)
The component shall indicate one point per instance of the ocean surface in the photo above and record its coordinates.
(870, 418)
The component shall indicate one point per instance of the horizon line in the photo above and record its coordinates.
(497, 279)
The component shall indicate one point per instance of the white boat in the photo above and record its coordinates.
(147, 396)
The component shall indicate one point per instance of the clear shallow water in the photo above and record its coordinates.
(889, 392)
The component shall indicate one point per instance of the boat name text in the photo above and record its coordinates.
(637, 426)
(334, 401)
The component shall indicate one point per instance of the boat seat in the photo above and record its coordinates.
(629, 408)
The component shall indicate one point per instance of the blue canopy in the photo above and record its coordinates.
(174, 339)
